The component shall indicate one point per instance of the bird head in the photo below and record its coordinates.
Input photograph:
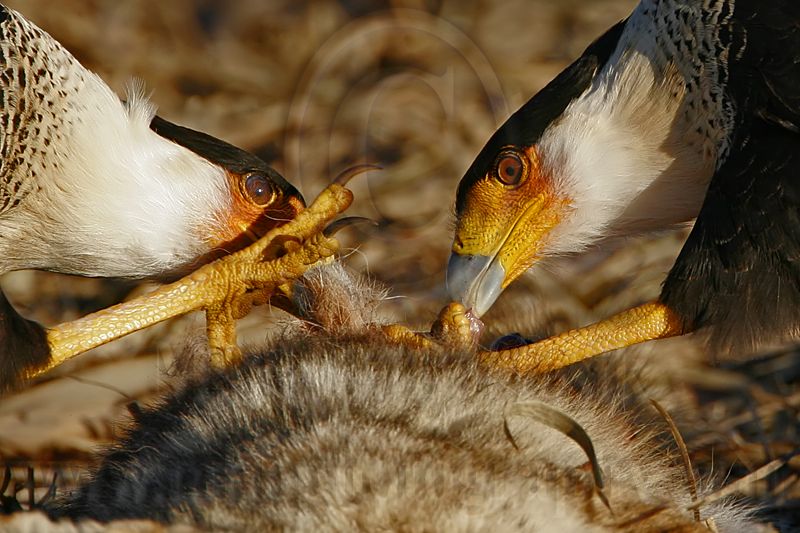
(512, 197)
(98, 186)
(260, 199)
(533, 189)
(505, 209)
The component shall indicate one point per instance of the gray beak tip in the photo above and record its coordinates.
(474, 280)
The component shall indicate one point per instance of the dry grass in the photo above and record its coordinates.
(416, 86)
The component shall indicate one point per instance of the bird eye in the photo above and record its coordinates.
(259, 188)
(509, 169)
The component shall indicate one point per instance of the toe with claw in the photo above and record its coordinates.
(225, 289)
(455, 327)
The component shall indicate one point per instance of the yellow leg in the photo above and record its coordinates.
(221, 332)
(639, 324)
(402, 335)
(73, 338)
(219, 287)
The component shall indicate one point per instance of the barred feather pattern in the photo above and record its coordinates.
(38, 83)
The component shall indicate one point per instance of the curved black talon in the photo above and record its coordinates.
(338, 225)
(349, 173)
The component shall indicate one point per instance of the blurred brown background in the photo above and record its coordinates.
(415, 86)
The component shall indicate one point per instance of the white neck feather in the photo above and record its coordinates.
(624, 152)
(131, 203)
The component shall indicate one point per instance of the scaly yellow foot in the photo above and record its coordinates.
(454, 327)
(643, 323)
(403, 335)
(225, 289)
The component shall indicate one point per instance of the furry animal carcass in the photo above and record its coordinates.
(331, 427)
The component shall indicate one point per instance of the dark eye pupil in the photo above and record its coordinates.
(258, 188)
(510, 170)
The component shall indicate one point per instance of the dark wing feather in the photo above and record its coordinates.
(739, 271)
(740, 268)
(23, 346)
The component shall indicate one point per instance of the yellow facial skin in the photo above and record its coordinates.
(504, 223)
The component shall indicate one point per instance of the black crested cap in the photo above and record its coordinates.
(219, 152)
(528, 123)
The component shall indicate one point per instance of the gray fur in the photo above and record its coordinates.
(331, 428)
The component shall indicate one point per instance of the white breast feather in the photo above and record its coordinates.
(636, 151)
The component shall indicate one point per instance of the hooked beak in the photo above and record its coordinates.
(503, 219)
(496, 243)
(475, 280)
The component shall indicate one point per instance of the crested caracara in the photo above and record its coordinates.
(684, 110)
(95, 186)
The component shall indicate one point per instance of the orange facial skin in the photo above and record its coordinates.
(509, 221)
(246, 218)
